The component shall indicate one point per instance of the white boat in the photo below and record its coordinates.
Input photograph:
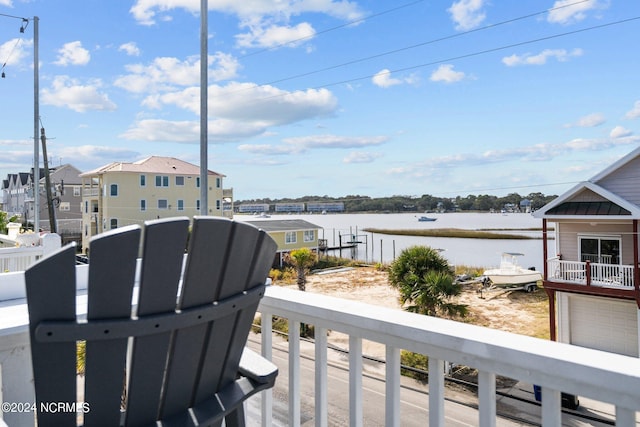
(510, 273)
(426, 218)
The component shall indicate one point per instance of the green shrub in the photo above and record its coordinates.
(418, 365)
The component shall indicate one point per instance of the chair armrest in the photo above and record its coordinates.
(257, 368)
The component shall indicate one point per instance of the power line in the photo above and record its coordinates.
(347, 24)
(459, 57)
(428, 42)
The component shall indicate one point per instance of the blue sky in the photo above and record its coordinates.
(330, 97)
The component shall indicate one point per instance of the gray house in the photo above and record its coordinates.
(593, 284)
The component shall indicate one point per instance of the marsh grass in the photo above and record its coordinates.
(454, 233)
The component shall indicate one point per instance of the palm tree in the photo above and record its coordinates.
(425, 282)
(302, 259)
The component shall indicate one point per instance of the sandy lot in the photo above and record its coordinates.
(511, 311)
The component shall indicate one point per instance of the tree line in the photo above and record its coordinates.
(424, 203)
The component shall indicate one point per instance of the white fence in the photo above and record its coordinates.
(20, 257)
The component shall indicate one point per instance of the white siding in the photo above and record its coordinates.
(624, 181)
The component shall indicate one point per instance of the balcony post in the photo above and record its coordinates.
(436, 392)
(545, 255)
(355, 381)
(588, 272)
(392, 387)
(636, 267)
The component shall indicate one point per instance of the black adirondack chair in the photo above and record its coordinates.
(177, 357)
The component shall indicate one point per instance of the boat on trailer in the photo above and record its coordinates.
(511, 274)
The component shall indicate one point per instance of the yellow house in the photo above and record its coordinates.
(121, 193)
(290, 234)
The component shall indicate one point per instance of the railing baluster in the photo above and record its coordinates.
(551, 408)
(392, 387)
(355, 381)
(266, 334)
(487, 398)
(294, 373)
(625, 417)
(321, 377)
(436, 392)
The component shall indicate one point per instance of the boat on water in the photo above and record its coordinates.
(426, 218)
(510, 273)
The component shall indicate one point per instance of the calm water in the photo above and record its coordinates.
(475, 252)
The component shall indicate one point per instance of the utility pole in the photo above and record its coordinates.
(47, 183)
(36, 120)
(204, 111)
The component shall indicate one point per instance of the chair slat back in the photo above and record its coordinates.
(111, 280)
(164, 373)
(51, 292)
(163, 253)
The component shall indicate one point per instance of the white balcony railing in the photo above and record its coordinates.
(591, 273)
(19, 258)
(604, 377)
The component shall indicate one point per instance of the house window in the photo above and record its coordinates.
(65, 206)
(143, 180)
(180, 204)
(180, 180)
(163, 204)
(197, 182)
(143, 205)
(76, 191)
(309, 235)
(113, 190)
(86, 206)
(601, 249)
(114, 223)
(218, 204)
(290, 237)
(218, 182)
(162, 181)
(198, 204)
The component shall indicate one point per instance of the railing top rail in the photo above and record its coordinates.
(591, 373)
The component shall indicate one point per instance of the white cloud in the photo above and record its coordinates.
(634, 113)
(188, 131)
(70, 93)
(146, 11)
(73, 53)
(383, 79)
(335, 141)
(533, 153)
(130, 49)
(560, 55)
(14, 51)
(167, 73)
(361, 157)
(571, 11)
(620, 132)
(588, 121)
(276, 35)
(467, 14)
(297, 145)
(92, 154)
(445, 73)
